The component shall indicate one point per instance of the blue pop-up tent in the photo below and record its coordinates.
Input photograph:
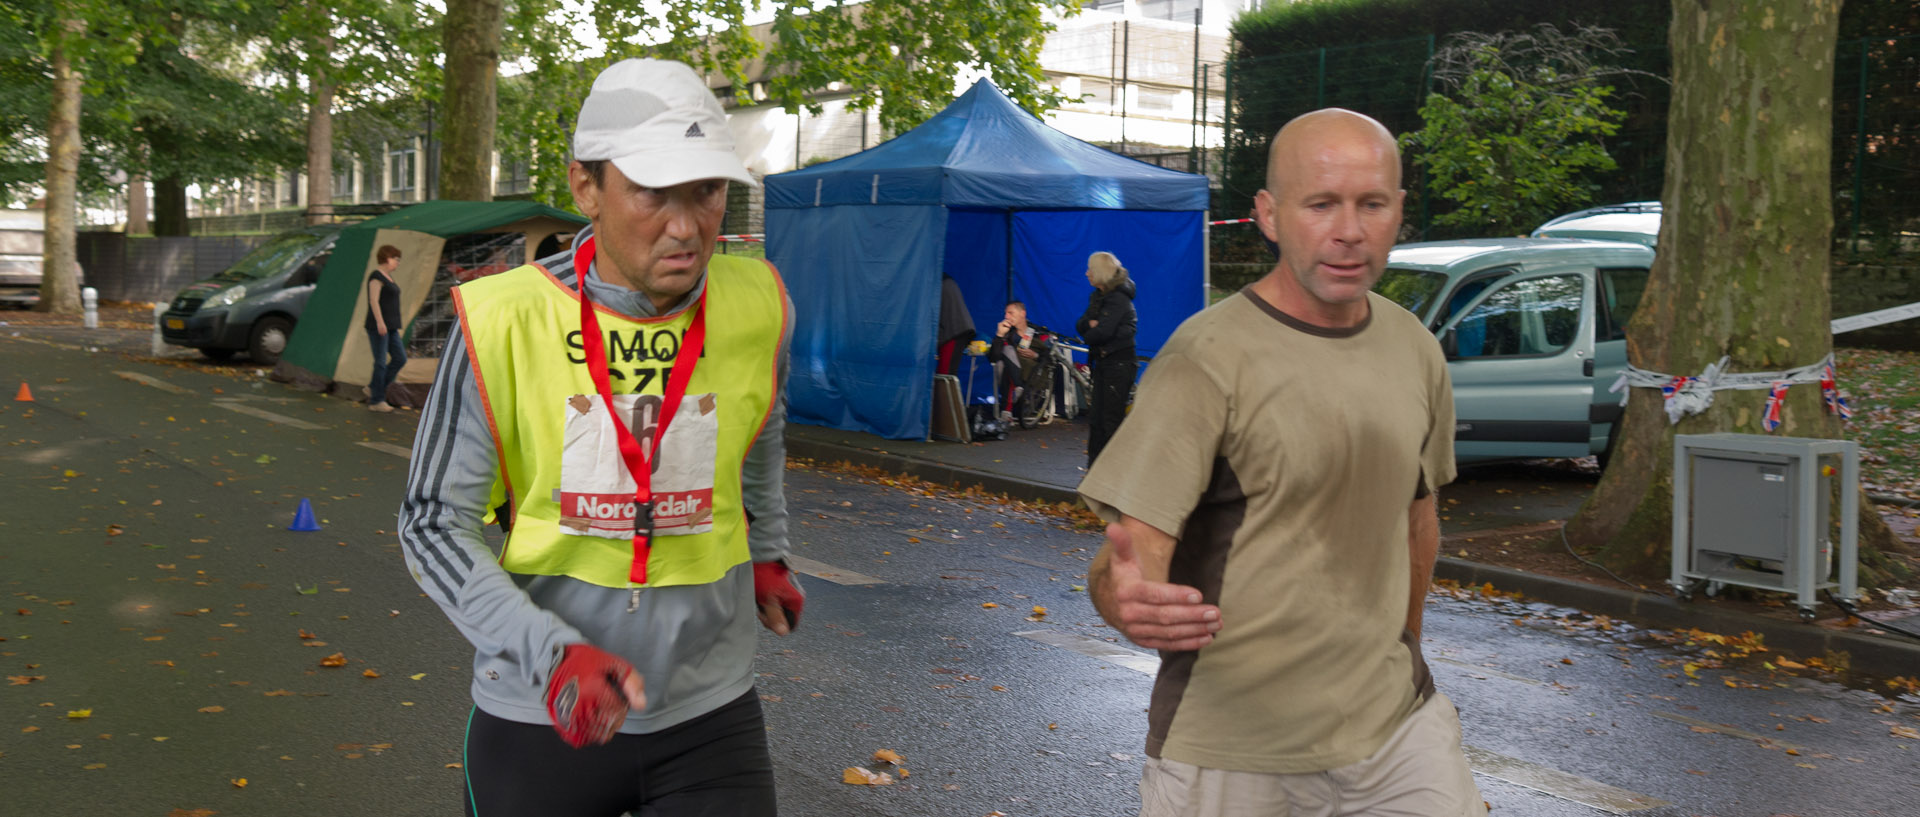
(990, 195)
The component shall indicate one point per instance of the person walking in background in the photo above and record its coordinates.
(1108, 327)
(1271, 517)
(384, 327)
(620, 412)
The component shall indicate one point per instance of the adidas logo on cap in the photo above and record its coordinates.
(693, 132)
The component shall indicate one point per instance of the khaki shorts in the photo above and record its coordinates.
(1420, 772)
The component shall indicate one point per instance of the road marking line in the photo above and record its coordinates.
(1563, 785)
(1041, 565)
(149, 380)
(1096, 648)
(1727, 730)
(1485, 670)
(268, 416)
(389, 448)
(822, 570)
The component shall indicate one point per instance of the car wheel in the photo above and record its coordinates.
(268, 339)
(217, 354)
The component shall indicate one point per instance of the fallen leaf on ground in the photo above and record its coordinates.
(369, 674)
(1907, 732)
(198, 812)
(989, 605)
(887, 756)
(213, 709)
(239, 782)
(858, 776)
(338, 659)
(417, 676)
(304, 635)
(79, 714)
(94, 766)
(278, 693)
(23, 680)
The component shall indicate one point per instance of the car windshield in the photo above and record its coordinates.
(273, 257)
(1412, 289)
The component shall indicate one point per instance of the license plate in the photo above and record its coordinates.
(176, 323)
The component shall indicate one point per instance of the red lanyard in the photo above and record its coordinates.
(639, 461)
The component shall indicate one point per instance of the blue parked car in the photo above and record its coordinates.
(1535, 333)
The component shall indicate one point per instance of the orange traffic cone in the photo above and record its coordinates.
(25, 395)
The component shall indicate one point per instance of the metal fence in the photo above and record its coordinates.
(1876, 128)
(152, 269)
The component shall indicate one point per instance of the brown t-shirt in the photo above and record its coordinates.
(1283, 457)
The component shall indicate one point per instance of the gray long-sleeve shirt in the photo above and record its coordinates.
(693, 645)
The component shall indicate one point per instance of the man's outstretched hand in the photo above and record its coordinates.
(1154, 614)
(590, 694)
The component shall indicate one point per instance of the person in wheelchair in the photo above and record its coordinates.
(1020, 353)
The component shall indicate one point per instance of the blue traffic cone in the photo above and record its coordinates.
(303, 518)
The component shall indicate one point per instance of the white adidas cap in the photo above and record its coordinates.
(659, 123)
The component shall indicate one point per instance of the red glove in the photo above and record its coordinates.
(587, 696)
(773, 587)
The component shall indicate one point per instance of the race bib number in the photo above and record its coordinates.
(596, 492)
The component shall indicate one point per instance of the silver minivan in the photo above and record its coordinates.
(1535, 334)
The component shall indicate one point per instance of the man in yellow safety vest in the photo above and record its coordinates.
(617, 407)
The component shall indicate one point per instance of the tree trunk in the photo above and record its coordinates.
(471, 39)
(137, 204)
(59, 289)
(1744, 258)
(320, 149)
(170, 207)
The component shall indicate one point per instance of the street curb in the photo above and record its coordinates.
(931, 471)
(1874, 655)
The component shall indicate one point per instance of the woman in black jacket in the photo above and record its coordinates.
(1108, 328)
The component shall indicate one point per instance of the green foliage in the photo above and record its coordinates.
(198, 123)
(1514, 148)
(100, 38)
(1291, 58)
(900, 57)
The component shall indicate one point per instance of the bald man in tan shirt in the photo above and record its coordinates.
(1273, 531)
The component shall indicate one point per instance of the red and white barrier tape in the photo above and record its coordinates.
(745, 237)
(1692, 395)
(1230, 221)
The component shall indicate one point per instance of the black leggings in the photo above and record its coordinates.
(716, 765)
(1112, 380)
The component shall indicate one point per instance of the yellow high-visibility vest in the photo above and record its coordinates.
(522, 330)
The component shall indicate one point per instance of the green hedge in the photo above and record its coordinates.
(1371, 55)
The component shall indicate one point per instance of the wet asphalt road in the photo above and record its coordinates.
(162, 592)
